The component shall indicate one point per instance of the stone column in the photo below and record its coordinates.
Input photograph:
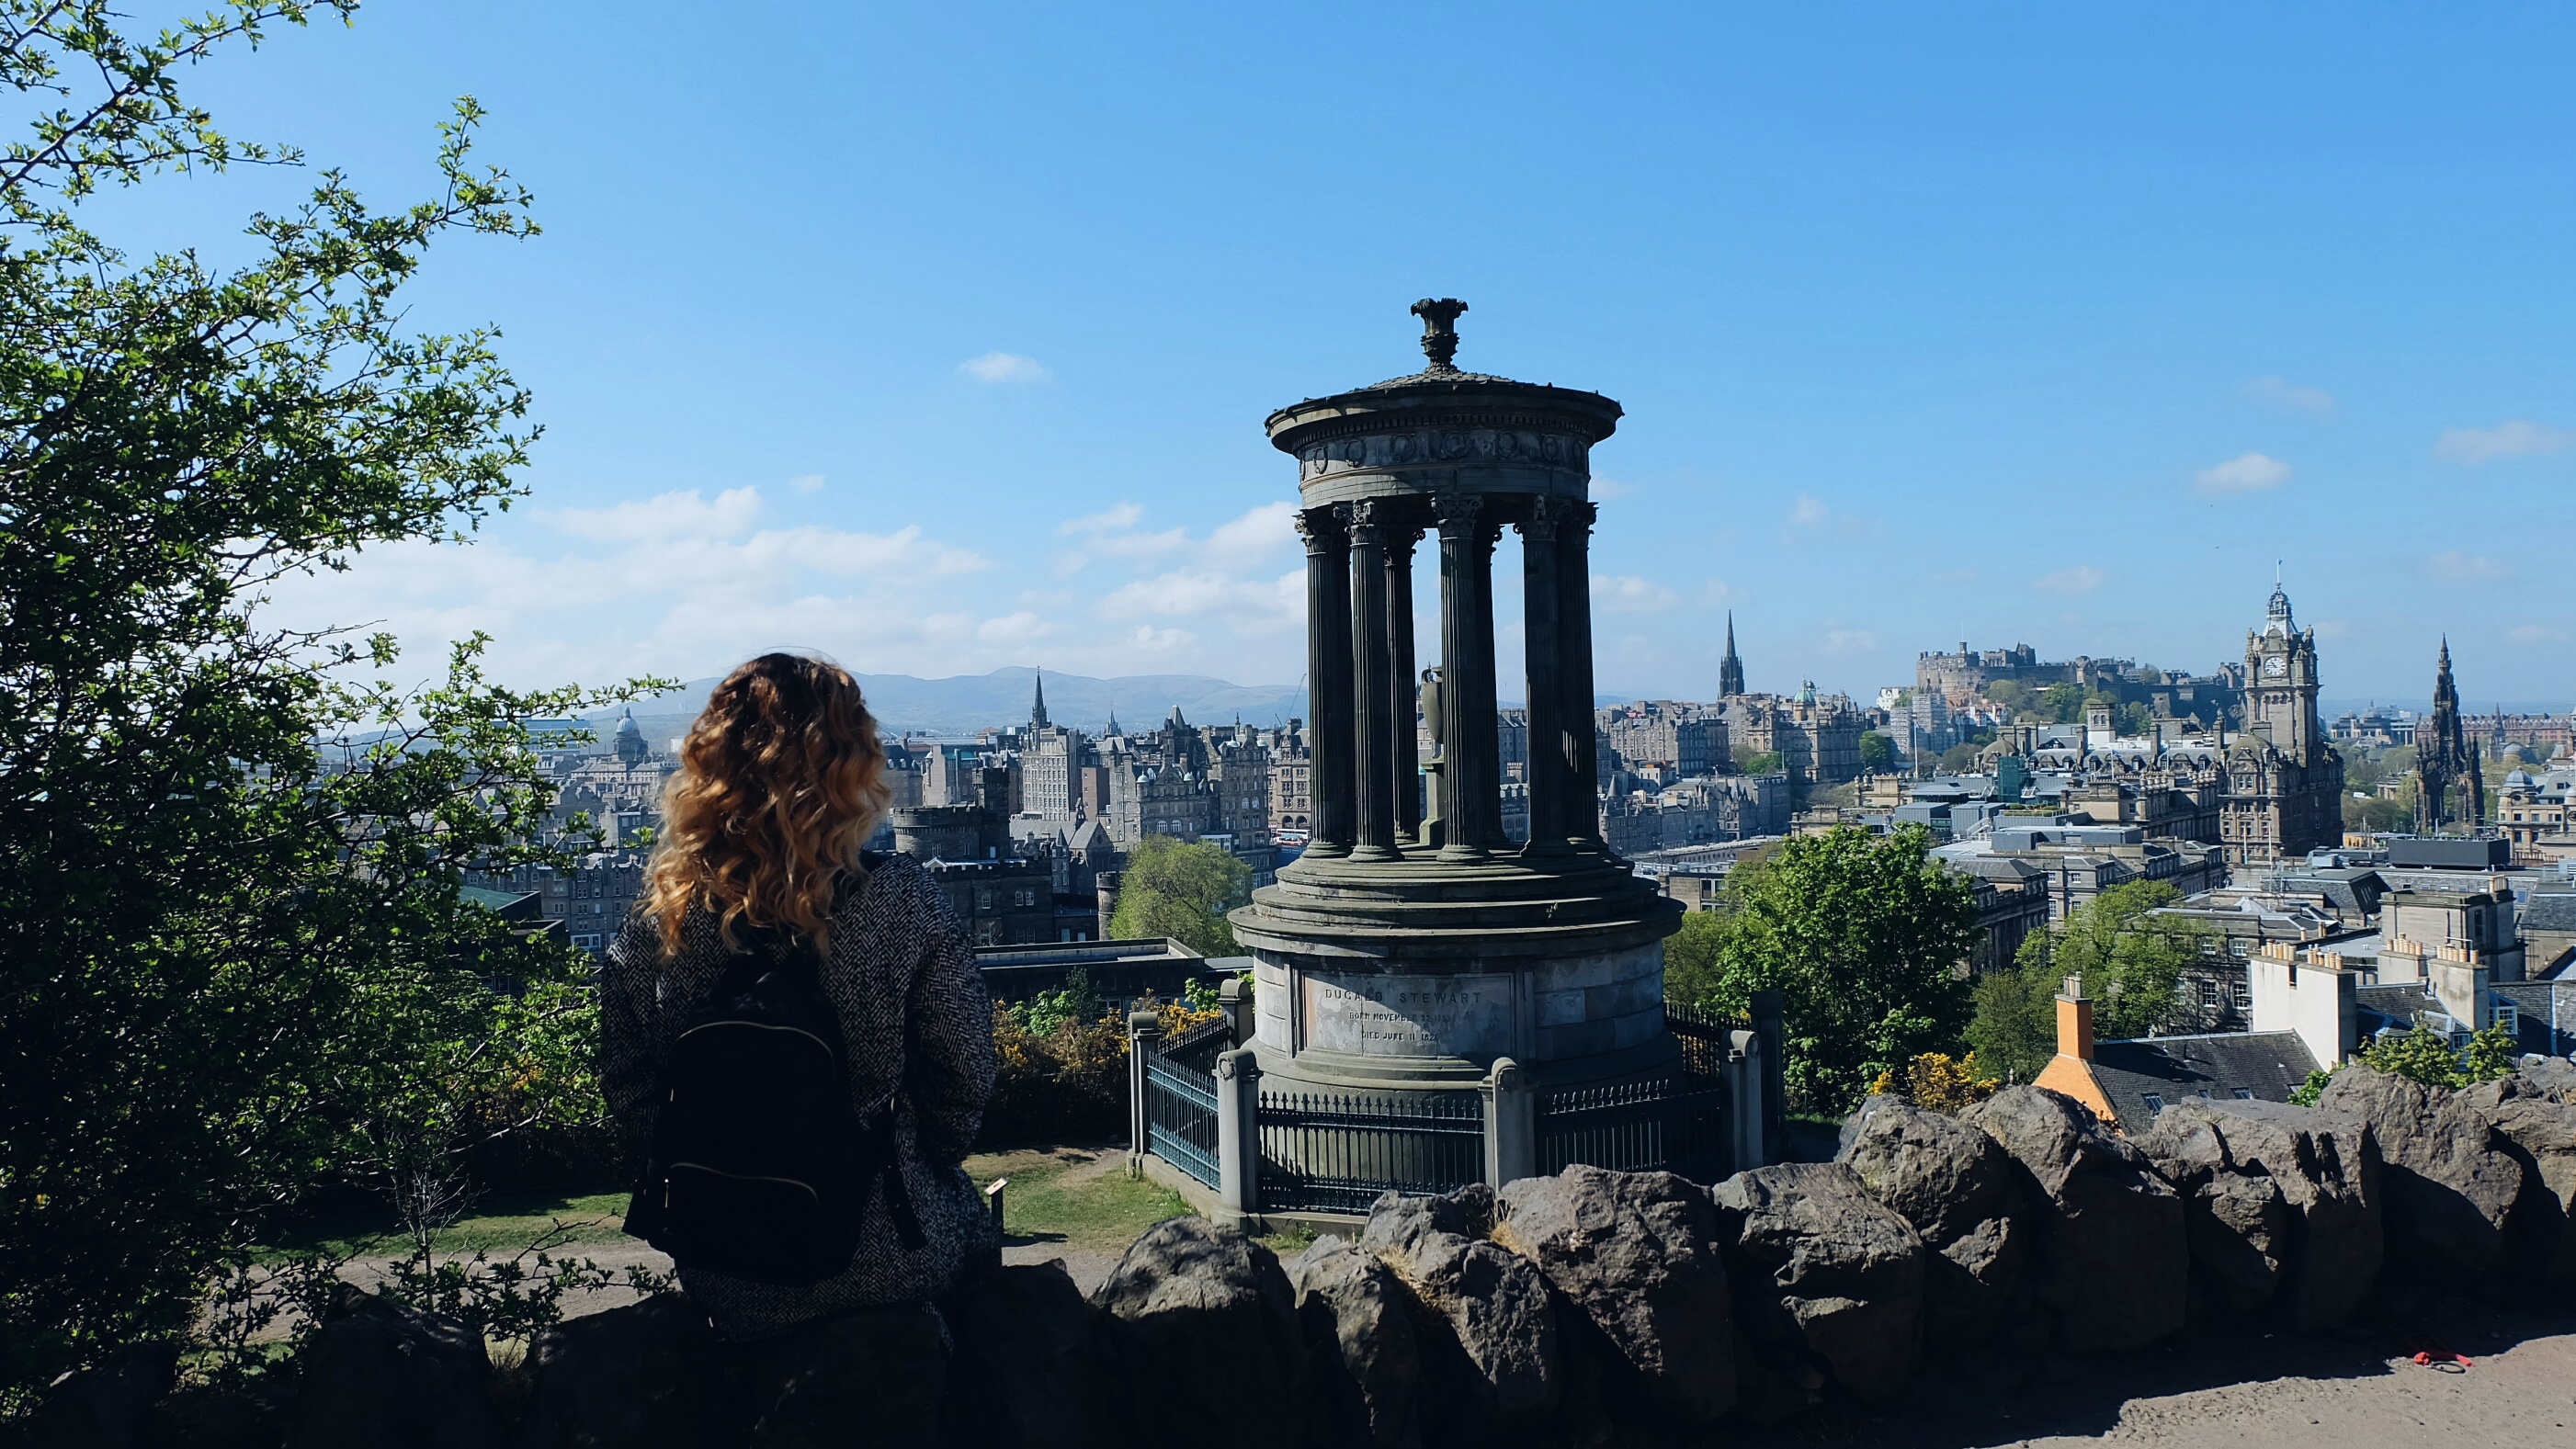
(1470, 806)
(1373, 761)
(1328, 679)
(1580, 812)
(1407, 768)
(1543, 647)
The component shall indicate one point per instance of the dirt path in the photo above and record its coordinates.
(2357, 1392)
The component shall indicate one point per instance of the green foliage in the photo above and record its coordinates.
(1960, 758)
(1200, 995)
(2137, 721)
(2063, 703)
(1066, 1084)
(1877, 751)
(1181, 890)
(1074, 1001)
(2429, 1057)
(1860, 935)
(2307, 1093)
(1761, 762)
(2131, 962)
(230, 855)
(2014, 1031)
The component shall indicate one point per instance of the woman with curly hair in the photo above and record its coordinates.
(780, 781)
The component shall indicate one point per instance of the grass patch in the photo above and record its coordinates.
(1288, 1242)
(505, 1226)
(1080, 1197)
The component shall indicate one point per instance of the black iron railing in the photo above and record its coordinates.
(1324, 1152)
(1703, 1037)
(1180, 1100)
(1672, 1124)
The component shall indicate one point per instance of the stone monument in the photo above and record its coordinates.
(1412, 948)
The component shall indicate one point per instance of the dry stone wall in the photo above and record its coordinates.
(1591, 1308)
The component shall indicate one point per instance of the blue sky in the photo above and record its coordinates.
(939, 337)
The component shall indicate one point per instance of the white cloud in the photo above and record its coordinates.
(1808, 512)
(1850, 641)
(806, 482)
(1004, 367)
(2465, 568)
(2519, 438)
(1024, 627)
(1142, 545)
(2068, 583)
(1629, 594)
(1719, 591)
(1608, 488)
(2244, 473)
(2535, 634)
(1256, 532)
(2283, 393)
(665, 515)
(1114, 519)
(1257, 605)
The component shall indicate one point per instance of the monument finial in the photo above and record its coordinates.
(1439, 330)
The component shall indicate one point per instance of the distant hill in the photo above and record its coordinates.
(969, 702)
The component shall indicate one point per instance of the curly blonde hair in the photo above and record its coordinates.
(780, 781)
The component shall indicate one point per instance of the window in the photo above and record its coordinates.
(587, 943)
(2242, 1094)
(2508, 1016)
(984, 899)
(2209, 994)
(2154, 1102)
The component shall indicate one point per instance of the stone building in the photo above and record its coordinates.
(1292, 784)
(2284, 782)
(1679, 740)
(1816, 736)
(2533, 812)
(1051, 760)
(591, 899)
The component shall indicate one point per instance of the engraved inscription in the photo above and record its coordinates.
(1443, 445)
(1409, 1016)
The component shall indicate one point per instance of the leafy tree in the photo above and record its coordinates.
(1183, 891)
(2137, 721)
(2063, 703)
(1074, 1001)
(1960, 758)
(2427, 1056)
(1877, 751)
(2131, 962)
(238, 960)
(2014, 1031)
(1761, 762)
(1861, 935)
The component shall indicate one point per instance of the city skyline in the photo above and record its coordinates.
(2058, 333)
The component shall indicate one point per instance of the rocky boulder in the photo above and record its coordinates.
(2281, 1204)
(106, 1406)
(1636, 1255)
(2451, 1192)
(2114, 1261)
(1360, 1341)
(638, 1377)
(379, 1372)
(1207, 1314)
(2552, 1078)
(1493, 1367)
(1029, 1371)
(872, 1379)
(2535, 1122)
(1963, 1196)
(1828, 1267)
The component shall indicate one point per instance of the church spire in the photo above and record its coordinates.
(1730, 670)
(1037, 708)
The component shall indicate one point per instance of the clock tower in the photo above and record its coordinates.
(2284, 786)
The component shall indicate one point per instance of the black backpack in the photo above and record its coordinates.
(759, 1167)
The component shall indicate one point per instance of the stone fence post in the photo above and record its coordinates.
(1511, 1124)
(1234, 998)
(1144, 1034)
(1238, 1135)
(1744, 1101)
(1774, 1032)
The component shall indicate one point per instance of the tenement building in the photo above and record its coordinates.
(2284, 793)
